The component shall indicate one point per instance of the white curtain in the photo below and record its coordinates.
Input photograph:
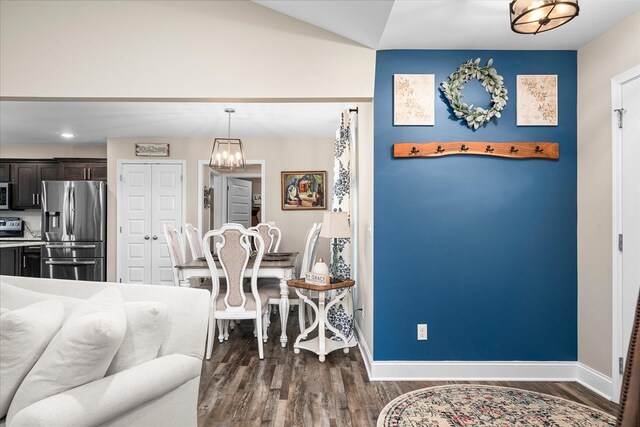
(340, 316)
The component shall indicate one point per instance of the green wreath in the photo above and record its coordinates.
(490, 80)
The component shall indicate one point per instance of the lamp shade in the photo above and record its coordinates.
(335, 225)
(538, 16)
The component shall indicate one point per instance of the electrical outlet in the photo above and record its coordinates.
(422, 332)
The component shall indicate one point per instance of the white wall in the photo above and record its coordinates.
(174, 49)
(364, 288)
(610, 54)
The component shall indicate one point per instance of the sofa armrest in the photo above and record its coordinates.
(99, 401)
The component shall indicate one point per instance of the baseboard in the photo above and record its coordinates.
(473, 371)
(483, 371)
(367, 356)
(594, 380)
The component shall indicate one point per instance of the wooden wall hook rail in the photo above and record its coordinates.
(511, 150)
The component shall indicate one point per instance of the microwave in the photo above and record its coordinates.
(5, 195)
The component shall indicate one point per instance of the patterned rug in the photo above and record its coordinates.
(480, 405)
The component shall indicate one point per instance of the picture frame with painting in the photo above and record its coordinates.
(303, 190)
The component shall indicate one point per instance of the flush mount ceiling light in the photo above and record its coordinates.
(227, 153)
(533, 17)
(67, 135)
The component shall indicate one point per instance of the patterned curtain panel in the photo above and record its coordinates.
(340, 316)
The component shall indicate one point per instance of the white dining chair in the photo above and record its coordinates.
(271, 236)
(233, 249)
(272, 290)
(176, 250)
(195, 241)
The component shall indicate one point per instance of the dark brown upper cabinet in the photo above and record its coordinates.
(26, 178)
(5, 172)
(83, 171)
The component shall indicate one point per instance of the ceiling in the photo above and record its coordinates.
(379, 24)
(30, 122)
(448, 24)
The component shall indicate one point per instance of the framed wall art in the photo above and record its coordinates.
(537, 102)
(413, 99)
(152, 150)
(302, 190)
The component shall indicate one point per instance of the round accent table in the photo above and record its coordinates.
(321, 345)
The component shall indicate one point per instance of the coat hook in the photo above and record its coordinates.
(440, 149)
(513, 149)
(538, 149)
(488, 149)
(464, 148)
(414, 150)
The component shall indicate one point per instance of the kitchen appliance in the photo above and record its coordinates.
(11, 227)
(74, 227)
(5, 195)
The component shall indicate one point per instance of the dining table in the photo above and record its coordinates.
(278, 265)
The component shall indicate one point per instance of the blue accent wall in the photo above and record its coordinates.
(481, 249)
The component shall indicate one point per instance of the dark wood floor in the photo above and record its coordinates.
(287, 389)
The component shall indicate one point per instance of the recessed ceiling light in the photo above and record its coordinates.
(67, 135)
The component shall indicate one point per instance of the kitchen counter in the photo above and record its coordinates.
(18, 242)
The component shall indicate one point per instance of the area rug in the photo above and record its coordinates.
(480, 405)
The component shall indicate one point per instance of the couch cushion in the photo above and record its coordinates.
(24, 334)
(79, 353)
(13, 298)
(147, 323)
(188, 308)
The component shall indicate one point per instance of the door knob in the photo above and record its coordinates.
(146, 237)
(155, 237)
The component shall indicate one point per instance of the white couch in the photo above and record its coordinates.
(161, 392)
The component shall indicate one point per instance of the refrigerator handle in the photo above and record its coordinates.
(72, 208)
(67, 211)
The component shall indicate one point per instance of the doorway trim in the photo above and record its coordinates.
(201, 183)
(616, 220)
(121, 162)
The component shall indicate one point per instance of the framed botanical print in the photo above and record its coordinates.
(413, 99)
(303, 190)
(537, 100)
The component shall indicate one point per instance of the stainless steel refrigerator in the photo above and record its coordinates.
(74, 227)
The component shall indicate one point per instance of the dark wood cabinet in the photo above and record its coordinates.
(30, 261)
(26, 178)
(73, 171)
(9, 261)
(47, 172)
(21, 261)
(5, 171)
(27, 175)
(80, 171)
(98, 171)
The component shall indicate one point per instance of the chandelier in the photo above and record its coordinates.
(533, 17)
(227, 153)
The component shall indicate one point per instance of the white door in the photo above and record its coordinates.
(166, 208)
(135, 231)
(151, 195)
(239, 201)
(630, 206)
